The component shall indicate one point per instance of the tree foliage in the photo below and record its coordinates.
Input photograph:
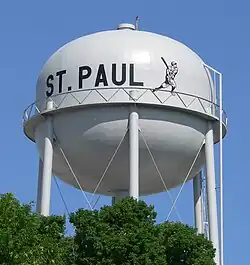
(123, 234)
(127, 233)
(27, 238)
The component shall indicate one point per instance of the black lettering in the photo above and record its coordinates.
(114, 77)
(132, 82)
(101, 76)
(50, 85)
(60, 74)
(84, 76)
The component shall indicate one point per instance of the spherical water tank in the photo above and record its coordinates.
(95, 80)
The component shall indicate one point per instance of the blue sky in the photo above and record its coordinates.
(217, 30)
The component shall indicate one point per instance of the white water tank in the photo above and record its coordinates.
(89, 81)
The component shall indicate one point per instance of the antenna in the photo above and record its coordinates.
(137, 23)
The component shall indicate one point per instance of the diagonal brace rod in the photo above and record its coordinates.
(76, 179)
(109, 163)
(185, 180)
(159, 173)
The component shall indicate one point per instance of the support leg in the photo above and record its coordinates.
(198, 209)
(47, 169)
(39, 186)
(45, 181)
(133, 149)
(211, 192)
(134, 154)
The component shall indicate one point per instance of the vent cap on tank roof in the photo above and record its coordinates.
(126, 26)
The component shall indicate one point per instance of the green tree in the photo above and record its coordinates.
(184, 246)
(27, 238)
(127, 234)
(123, 234)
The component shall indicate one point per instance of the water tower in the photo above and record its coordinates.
(128, 112)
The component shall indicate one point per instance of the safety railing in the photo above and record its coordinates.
(145, 95)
